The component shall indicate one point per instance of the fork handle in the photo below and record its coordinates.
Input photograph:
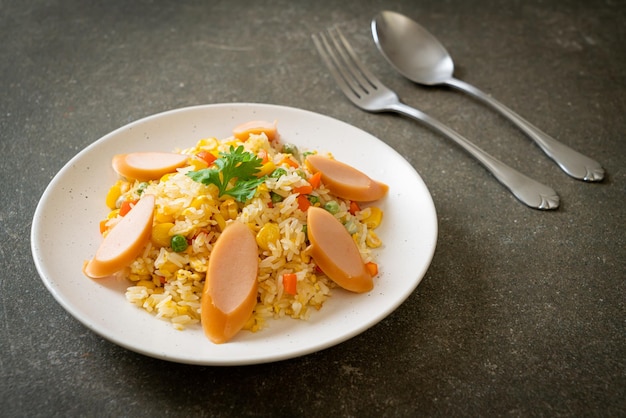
(572, 162)
(527, 190)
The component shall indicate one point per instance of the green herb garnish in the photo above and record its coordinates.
(233, 173)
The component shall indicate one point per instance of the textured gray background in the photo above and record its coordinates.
(521, 312)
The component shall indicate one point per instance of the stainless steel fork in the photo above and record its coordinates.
(368, 93)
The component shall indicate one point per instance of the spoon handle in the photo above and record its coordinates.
(572, 162)
(527, 190)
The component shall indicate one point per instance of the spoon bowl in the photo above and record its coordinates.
(419, 56)
(411, 49)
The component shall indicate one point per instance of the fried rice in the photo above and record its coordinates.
(169, 283)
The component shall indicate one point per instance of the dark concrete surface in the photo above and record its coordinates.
(521, 313)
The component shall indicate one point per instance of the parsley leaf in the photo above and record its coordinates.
(233, 174)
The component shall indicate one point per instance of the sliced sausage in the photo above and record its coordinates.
(230, 290)
(346, 181)
(124, 242)
(256, 127)
(144, 166)
(335, 252)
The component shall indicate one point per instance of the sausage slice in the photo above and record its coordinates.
(124, 242)
(230, 290)
(346, 181)
(335, 252)
(144, 166)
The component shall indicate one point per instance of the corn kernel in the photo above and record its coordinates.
(149, 304)
(168, 267)
(161, 234)
(229, 209)
(157, 281)
(372, 240)
(166, 177)
(374, 219)
(114, 193)
(207, 143)
(212, 190)
(269, 234)
(198, 164)
(197, 202)
(221, 222)
(183, 310)
(161, 217)
(266, 169)
(113, 214)
(145, 283)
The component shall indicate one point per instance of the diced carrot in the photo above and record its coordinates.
(290, 281)
(316, 180)
(103, 226)
(372, 268)
(262, 154)
(288, 161)
(207, 156)
(354, 207)
(127, 205)
(303, 189)
(303, 202)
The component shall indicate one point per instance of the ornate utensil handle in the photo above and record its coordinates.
(572, 162)
(527, 190)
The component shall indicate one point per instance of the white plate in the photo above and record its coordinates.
(65, 233)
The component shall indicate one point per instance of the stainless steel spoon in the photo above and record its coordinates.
(420, 57)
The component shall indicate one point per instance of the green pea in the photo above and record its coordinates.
(178, 243)
(290, 149)
(278, 172)
(351, 227)
(332, 207)
(141, 187)
(276, 197)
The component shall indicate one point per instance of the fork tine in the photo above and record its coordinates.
(343, 61)
(321, 49)
(364, 77)
(335, 66)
